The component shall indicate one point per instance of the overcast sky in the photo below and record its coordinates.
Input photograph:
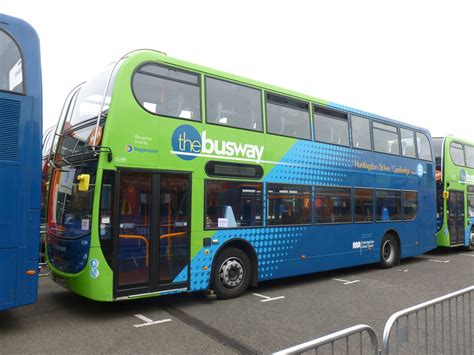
(412, 61)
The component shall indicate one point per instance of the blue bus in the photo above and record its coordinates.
(20, 161)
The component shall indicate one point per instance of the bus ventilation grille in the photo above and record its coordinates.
(9, 129)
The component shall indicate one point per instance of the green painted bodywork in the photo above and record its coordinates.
(451, 174)
(129, 124)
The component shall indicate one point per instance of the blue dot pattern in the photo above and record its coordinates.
(272, 246)
(314, 163)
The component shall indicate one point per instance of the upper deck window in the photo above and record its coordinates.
(233, 105)
(424, 147)
(386, 138)
(288, 117)
(169, 92)
(11, 68)
(88, 101)
(457, 154)
(469, 156)
(408, 143)
(361, 133)
(331, 126)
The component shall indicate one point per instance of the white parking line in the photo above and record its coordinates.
(268, 299)
(466, 254)
(347, 282)
(148, 321)
(439, 261)
(403, 270)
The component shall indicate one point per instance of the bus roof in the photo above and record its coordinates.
(27, 38)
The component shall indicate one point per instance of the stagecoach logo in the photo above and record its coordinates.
(130, 148)
(187, 143)
(465, 177)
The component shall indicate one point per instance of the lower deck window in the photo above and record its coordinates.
(233, 204)
(410, 205)
(333, 205)
(364, 205)
(388, 205)
(288, 204)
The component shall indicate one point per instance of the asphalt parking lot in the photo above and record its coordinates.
(276, 315)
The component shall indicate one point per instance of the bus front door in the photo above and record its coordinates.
(456, 217)
(153, 231)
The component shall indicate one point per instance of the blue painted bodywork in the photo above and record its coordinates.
(20, 173)
(294, 250)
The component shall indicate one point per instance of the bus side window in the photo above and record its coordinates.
(360, 133)
(331, 126)
(232, 204)
(385, 138)
(233, 105)
(166, 91)
(408, 143)
(11, 68)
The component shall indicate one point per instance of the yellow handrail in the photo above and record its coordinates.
(169, 235)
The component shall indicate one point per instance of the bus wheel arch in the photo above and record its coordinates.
(237, 256)
(390, 249)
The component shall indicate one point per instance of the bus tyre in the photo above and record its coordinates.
(389, 252)
(231, 273)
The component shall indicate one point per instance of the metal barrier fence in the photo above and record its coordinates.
(341, 336)
(439, 326)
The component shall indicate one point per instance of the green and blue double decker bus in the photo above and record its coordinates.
(20, 161)
(455, 191)
(172, 177)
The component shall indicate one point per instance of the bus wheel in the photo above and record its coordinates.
(231, 273)
(388, 252)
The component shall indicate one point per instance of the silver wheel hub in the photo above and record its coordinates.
(387, 251)
(231, 272)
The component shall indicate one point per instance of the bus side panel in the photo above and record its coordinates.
(8, 276)
(27, 284)
(32, 158)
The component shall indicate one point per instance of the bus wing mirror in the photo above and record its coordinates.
(84, 181)
(445, 195)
